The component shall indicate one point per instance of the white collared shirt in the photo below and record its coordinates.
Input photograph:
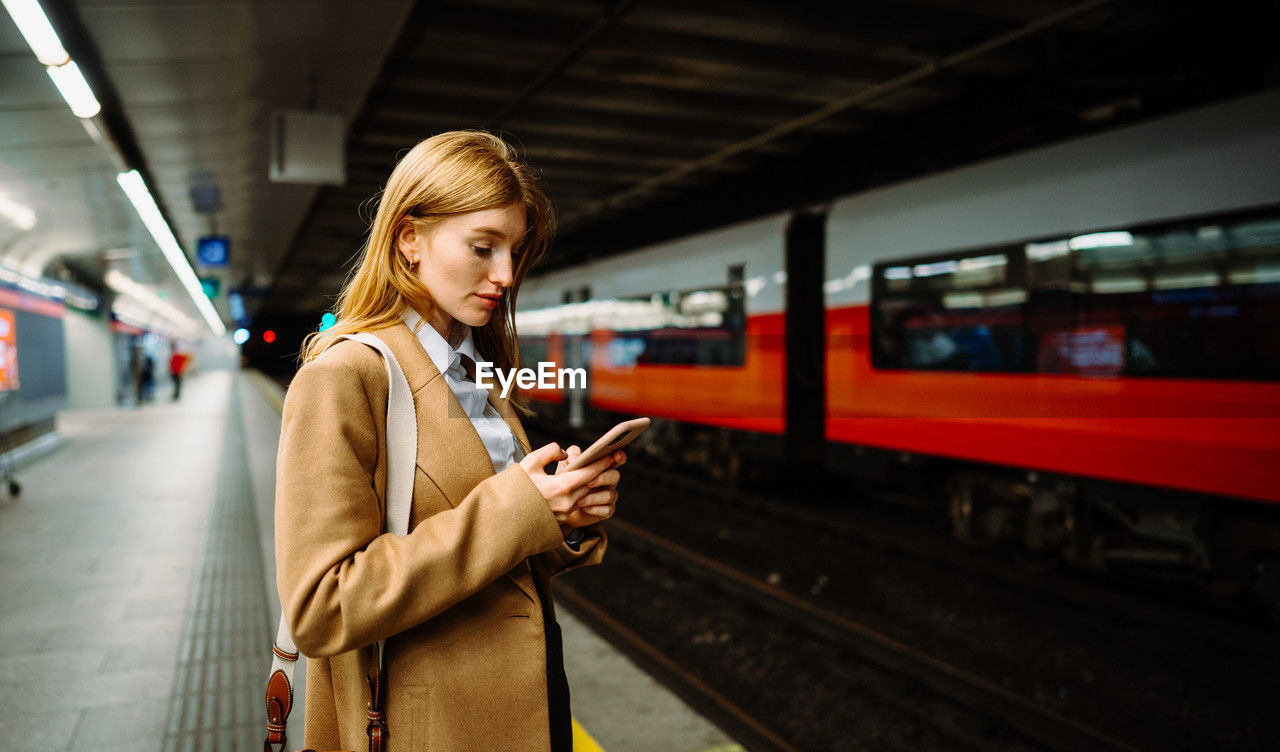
(502, 446)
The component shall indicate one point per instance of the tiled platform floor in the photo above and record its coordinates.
(97, 560)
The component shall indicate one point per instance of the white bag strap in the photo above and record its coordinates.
(402, 451)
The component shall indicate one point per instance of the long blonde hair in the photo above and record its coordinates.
(448, 174)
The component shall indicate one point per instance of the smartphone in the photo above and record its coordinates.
(617, 437)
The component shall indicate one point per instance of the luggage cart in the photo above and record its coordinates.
(7, 477)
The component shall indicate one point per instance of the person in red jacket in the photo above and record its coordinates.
(177, 364)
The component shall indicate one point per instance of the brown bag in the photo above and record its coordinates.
(280, 702)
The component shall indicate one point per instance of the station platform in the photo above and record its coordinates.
(137, 577)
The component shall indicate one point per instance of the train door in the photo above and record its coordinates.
(805, 342)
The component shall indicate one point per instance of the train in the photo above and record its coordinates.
(1075, 349)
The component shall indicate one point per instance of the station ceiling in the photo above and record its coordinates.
(646, 119)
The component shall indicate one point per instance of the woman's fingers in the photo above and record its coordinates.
(538, 458)
(577, 497)
(607, 478)
(583, 475)
(570, 453)
(591, 497)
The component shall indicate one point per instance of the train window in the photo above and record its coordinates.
(701, 327)
(1187, 299)
(959, 312)
(1197, 299)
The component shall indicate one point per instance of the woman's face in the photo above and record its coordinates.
(466, 262)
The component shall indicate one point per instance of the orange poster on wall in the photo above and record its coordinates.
(8, 351)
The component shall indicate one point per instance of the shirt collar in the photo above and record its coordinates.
(437, 348)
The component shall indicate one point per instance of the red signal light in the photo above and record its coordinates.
(269, 336)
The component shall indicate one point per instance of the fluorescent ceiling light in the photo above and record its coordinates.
(75, 295)
(16, 213)
(136, 189)
(44, 42)
(134, 293)
(36, 29)
(1101, 240)
(51, 290)
(73, 88)
(134, 313)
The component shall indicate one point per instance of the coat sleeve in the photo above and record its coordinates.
(343, 582)
(563, 558)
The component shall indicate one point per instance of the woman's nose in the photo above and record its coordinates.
(501, 272)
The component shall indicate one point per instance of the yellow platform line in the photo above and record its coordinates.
(582, 741)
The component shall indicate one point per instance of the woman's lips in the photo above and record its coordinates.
(491, 302)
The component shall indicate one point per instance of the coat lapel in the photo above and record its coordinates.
(451, 452)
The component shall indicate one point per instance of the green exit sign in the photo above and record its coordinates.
(211, 286)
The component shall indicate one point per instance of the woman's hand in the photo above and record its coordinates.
(601, 496)
(566, 489)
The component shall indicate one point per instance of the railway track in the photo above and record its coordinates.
(1045, 728)
(1081, 643)
(1124, 601)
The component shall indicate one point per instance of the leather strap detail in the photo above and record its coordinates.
(286, 655)
(377, 729)
(279, 702)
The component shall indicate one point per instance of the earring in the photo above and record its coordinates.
(413, 265)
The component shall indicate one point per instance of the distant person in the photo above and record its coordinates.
(177, 365)
(135, 369)
(474, 657)
(146, 378)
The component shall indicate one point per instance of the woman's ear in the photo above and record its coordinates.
(407, 241)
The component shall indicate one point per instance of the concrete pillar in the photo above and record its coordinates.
(91, 362)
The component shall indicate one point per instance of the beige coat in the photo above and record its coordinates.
(455, 598)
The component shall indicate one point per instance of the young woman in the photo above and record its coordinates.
(472, 655)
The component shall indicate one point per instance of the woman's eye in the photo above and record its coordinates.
(481, 249)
